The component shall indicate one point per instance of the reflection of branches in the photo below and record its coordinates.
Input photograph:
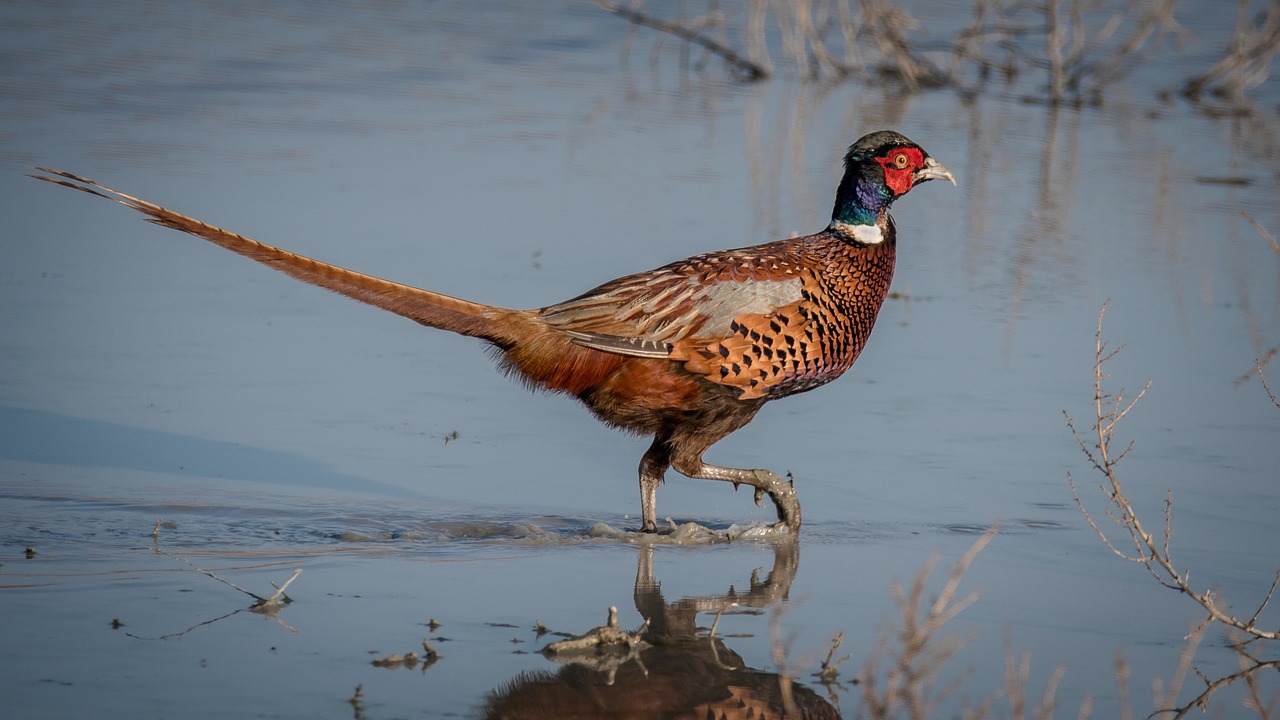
(1250, 668)
(1246, 64)
(1080, 60)
(745, 68)
(1266, 358)
(180, 633)
(1152, 554)
(270, 611)
(875, 41)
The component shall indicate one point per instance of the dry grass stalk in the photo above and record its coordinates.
(906, 687)
(1017, 675)
(1153, 554)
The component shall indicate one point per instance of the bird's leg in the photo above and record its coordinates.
(782, 492)
(653, 466)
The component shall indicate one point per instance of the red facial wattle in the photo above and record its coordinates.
(899, 166)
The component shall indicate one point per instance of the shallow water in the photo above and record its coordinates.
(518, 154)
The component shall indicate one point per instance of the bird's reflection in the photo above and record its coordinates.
(676, 672)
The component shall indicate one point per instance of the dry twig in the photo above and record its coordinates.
(1017, 674)
(1151, 553)
(905, 689)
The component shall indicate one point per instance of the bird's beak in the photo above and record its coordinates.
(933, 170)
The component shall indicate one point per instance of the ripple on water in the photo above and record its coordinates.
(290, 525)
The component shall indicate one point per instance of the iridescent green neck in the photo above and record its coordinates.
(859, 200)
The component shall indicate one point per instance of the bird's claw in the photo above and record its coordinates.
(783, 494)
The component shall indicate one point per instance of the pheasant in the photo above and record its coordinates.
(686, 353)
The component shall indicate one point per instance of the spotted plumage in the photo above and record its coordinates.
(686, 353)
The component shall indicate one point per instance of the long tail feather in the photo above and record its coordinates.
(423, 306)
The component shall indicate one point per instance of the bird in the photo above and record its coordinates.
(686, 353)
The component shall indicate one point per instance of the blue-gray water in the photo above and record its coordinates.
(518, 154)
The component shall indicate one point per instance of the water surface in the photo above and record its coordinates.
(519, 154)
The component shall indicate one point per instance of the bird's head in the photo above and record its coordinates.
(878, 169)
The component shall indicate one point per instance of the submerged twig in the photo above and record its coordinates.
(275, 601)
(829, 672)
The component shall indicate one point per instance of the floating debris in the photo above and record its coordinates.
(599, 639)
(1230, 180)
(409, 660)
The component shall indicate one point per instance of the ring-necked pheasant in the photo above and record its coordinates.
(686, 353)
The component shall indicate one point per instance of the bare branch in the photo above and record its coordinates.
(1154, 555)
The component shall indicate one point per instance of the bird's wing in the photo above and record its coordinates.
(697, 297)
(739, 318)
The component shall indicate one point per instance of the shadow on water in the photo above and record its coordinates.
(671, 667)
(46, 437)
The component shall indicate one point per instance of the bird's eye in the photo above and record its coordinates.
(901, 160)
